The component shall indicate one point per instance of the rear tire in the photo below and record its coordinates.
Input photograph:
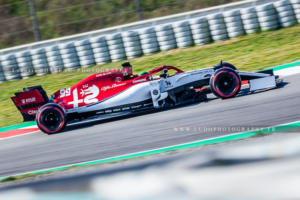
(226, 83)
(51, 118)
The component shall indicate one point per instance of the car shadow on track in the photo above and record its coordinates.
(98, 121)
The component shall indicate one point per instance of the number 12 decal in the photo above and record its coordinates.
(88, 96)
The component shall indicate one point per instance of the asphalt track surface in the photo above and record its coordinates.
(99, 140)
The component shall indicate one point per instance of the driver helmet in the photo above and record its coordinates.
(127, 69)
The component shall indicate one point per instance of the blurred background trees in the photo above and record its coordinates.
(65, 17)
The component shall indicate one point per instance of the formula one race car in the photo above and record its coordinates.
(119, 92)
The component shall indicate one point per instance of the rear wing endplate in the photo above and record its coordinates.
(29, 101)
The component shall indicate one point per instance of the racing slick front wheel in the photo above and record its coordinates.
(224, 64)
(225, 83)
(51, 119)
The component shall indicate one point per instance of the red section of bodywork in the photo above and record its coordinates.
(101, 86)
(25, 101)
(161, 68)
(245, 82)
(28, 97)
(31, 111)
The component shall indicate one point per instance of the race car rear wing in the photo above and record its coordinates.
(29, 101)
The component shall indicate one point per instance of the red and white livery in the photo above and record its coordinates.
(119, 92)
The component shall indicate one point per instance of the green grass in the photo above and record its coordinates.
(250, 52)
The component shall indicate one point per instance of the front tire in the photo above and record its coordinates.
(226, 83)
(51, 118)
(224, 64)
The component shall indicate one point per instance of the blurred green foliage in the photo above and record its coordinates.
(65, 17)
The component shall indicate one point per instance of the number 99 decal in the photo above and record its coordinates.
(65, 92)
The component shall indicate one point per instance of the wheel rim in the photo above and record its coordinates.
(226, 84)
(51, 119)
